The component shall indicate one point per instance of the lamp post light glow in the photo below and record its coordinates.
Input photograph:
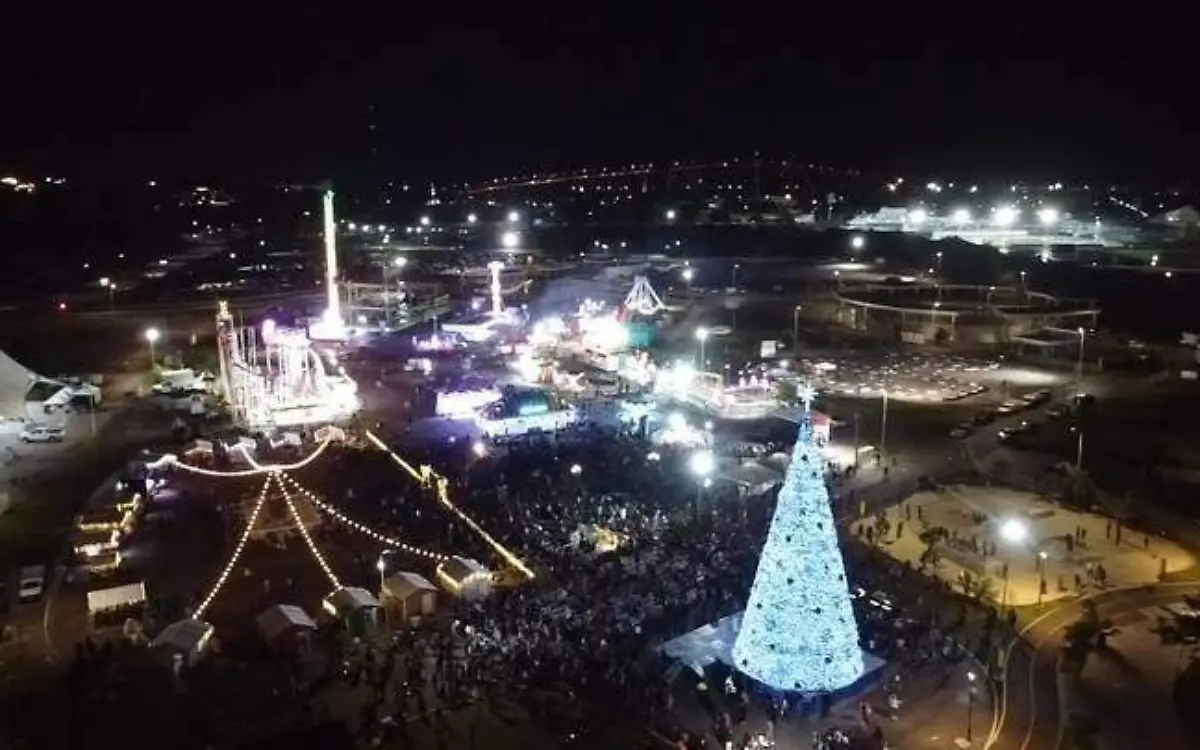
(670, 214)
(152, 336)
(472, 218)
(688, 274)
(702, 336)
(1048, 216)
(513, 217)
(108, 286)
(1014, 531)
(426, 221)
(1005, 216)
(961, 217)
(702, 464)
(509, 240)
(917, 216)
(858, 242)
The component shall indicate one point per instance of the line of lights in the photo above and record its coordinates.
(399, 461)
(312, 546)
(237, 552)
(257, 470)
(443, 494)
(427, 476)
(360, 527)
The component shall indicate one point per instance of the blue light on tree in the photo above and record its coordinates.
(799, 632)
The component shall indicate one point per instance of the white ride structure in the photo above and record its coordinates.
(273, 377)
(642, 299)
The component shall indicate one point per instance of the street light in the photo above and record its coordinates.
(381, 566)
(796, 329)
(702, 464)
(858, 242)
(398, 262)
(426, 221)
(733, 279)
(961, 216)
(108, 285)
(702, 336)
(670, 214)
(1079, 365)
(1005, 216)
(513, 217)
(1014, 531)
(970, 701)
(472, 218)
(688, 274)
(509, 240)
(1048, 216)
(152, 335)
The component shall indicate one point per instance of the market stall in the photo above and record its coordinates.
(355, 609)
(288, 628)
(465, 578)
(406, 594)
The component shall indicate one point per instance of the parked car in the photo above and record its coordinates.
(31, 583)
(1058, 411)
(1037, 398)
(1008, 408)
(961, 431)
(41, 434)
(987, 416)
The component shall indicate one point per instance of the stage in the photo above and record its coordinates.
(713, 643)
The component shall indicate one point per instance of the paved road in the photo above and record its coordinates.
(1030, 715)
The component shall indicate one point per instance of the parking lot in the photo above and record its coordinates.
(923, 378)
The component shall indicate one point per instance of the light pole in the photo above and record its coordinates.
(109, 287)
(152, 335)
(970, 701)
(1079, 364)
(796, 329)
(883, 422)
(702, 336)
(689, 273)
(398, 263)
(702, 464)
(1023, 292)
(1078, 447)
(733, 280)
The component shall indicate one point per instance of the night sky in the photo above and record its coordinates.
(476, 90)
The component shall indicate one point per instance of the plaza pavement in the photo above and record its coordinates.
(975, 518)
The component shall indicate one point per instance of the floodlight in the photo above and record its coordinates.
(1048, 216)
(917, 216)
(1005, 216)
(1014, 530)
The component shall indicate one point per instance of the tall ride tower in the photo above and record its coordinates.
(333, 305)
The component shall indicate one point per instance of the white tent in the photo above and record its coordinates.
(103, 600)
(189, 638)
(281, 618)
(14, 381)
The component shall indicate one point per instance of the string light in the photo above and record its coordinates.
(312, 546)
(257, 470)
(237, 552)
(399, 461)
(362, 528)
(442, 484)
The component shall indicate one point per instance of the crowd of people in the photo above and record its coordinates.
(575, 648)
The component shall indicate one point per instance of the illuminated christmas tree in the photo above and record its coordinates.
(799, 632)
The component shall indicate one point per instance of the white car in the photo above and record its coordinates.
(41, 434)
(32, 582)
(1009, 408)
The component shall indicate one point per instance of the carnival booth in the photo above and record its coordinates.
(406, 595)
(112, 606)
(186, 641)
(355, 609)
(286, 627)
(465, 578)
